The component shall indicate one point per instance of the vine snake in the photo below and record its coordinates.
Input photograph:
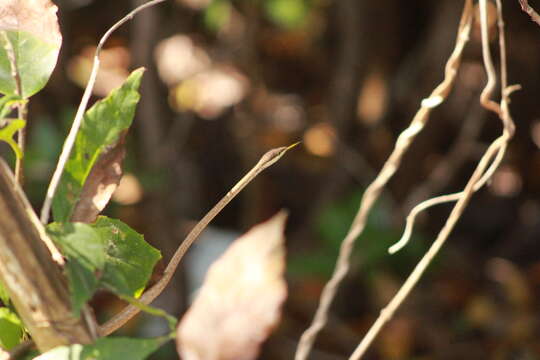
(268, 159)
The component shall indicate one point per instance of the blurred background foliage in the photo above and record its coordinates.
(230, 79)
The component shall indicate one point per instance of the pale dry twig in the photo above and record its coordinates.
(374, 190)
(70, 140)
(495, 151)
(530, 11)
(500, 109)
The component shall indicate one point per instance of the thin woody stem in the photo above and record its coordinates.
(494, 153)
(70, 140)
(374, 190)
(22, 111)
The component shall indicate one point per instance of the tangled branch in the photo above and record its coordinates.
(483, 171)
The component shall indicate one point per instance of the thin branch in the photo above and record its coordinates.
(458, 154)
(22, 112)
(495, 150)
(374, 190)
(21, 109)
(503, 112)
(485, 96)
(387, 313)
(70, 140)
(149, 295)
(530, 11)
(32, 278)
(424, 205)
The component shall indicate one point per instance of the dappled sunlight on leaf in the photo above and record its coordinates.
(239, 302)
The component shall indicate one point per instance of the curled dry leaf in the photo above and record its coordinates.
(100, 183)
(94, 166)
(240, 300)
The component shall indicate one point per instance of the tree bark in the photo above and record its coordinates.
(33, 280)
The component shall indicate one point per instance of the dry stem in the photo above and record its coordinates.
(70, 140)
(374, 190)
(411, 218)
(495, 151)
(22, 111)
(488, 104)
(529, 10)
(460, 152)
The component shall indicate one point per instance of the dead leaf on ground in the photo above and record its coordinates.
(100, 184)
(240, 301)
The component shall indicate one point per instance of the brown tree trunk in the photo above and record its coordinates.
(33, 280)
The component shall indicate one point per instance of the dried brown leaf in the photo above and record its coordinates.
(240, 300)
(37, 17)
(100, 184)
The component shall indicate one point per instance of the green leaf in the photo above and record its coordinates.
(112, 348)
(217, 14)
(4, 296)
(287, 13)
(371, 250)
(7, 133)
(129, 258)
(107, 254)
(11, 329)
(85, 250)
(102, 128)
(32, 59)
(7, 104)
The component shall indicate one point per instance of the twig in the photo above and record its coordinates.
(503, 114)
(149, 295)
(387, 313)
(458, 154)
(374, 190)
(70, 140)
(32, 278)
(22, 111)
(530, 11)
(495, 150)
(411, 218)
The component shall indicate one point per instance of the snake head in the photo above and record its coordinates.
(272, 156)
